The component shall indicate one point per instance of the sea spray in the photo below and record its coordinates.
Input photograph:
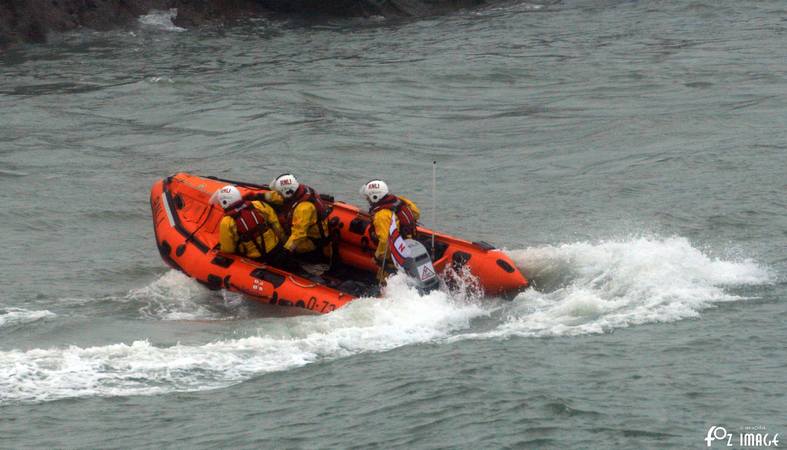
(595, 287)
(401, 317)
(175, 296)
(581, 288)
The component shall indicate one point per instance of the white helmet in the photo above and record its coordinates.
(374, 191)
(285, 184)
(227, 196)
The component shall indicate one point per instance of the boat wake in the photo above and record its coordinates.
(580, 288)
(583, 287)
(402, 317)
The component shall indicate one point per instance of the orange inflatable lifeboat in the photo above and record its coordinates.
(186, 225)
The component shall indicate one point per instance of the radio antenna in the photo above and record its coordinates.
(434, 202)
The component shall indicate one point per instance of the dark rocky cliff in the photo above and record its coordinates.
(32, 20)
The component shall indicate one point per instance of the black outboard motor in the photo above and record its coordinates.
(419, 267)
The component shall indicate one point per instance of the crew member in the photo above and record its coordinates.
(305, 217)
(382, 206)
(249, 228)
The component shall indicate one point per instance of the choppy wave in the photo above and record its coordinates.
(581, 288)
(10, 317)
(161, 20)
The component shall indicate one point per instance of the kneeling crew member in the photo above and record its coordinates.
(382, 206)
(305, 217)
(249, 228)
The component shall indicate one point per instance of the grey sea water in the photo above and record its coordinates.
(630, 156)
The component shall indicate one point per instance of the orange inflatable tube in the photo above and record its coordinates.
(186, 227)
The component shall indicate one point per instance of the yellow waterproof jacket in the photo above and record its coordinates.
(228, 233)
(382, 223)
(274, 199)
(304, 228)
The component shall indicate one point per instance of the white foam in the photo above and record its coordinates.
(596, 287)
(400, 318)
(160, 80)
(581, 288)
(161, 20)
(174, 296)
(10, 317)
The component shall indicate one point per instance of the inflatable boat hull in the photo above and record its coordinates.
(186, 227)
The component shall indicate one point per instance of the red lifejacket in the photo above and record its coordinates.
(250, 224)
(404, 215)
(307, 194)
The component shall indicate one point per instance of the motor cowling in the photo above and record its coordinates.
(419, 267)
